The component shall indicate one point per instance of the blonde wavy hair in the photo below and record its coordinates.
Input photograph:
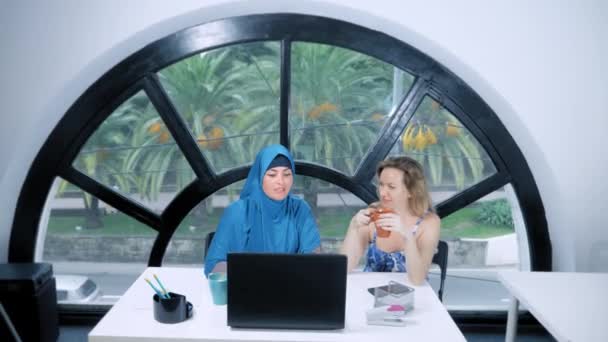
(414, 181)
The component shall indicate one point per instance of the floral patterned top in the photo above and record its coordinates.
(378, 260)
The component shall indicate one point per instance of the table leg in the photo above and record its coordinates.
(512, 320)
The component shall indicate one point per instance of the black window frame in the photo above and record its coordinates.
(138, 72)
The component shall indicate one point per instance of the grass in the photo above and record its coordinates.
(332, 223)
(116, 224)
(463, 224)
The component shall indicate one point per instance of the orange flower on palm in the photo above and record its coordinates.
(377, 117)
(155, 127)
(215, 135)
(430, 136)
(201, 140)
(164, 136)
(452, 130)
(420, 140)
(325, 107)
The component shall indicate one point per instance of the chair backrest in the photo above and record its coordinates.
(441, 259)
(208, 240)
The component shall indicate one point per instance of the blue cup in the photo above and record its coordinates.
(218, 283)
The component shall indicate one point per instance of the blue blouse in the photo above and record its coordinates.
(257, 223)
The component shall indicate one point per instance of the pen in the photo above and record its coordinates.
(161, 286)
(160, 294)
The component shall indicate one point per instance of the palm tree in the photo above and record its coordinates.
(227, 96)
(449, 153)
(340, 99)
(102, 157)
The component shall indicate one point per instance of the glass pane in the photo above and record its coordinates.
(187, 246)
(488, 218)
(96, 251)
(229, 98)
(452, 157)
(133, 152)
(332, 206)
(481, 239)
(340, 101)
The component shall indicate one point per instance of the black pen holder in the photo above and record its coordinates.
(172, 310)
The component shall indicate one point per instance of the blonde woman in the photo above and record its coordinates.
(413, 224)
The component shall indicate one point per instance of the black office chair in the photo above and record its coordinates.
(441, 259)
(208, 240)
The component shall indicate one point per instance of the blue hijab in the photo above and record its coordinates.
(257, 223)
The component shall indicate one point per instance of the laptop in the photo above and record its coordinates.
(286, 291)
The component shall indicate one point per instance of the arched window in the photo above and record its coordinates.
(140, 167)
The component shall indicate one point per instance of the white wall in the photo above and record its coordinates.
(542, 66)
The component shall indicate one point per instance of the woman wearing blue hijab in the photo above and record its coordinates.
(266, 218)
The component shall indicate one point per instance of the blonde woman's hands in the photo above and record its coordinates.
(392, 222)
(362, 217)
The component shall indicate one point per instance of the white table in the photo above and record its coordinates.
(571, 306)
(131, 318)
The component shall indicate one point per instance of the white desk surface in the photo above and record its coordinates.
(571, 306)
(131, 318)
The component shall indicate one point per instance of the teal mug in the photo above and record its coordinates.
(218, 284)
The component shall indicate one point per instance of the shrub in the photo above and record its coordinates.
(496, 213)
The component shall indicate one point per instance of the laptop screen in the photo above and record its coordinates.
(286, 291)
